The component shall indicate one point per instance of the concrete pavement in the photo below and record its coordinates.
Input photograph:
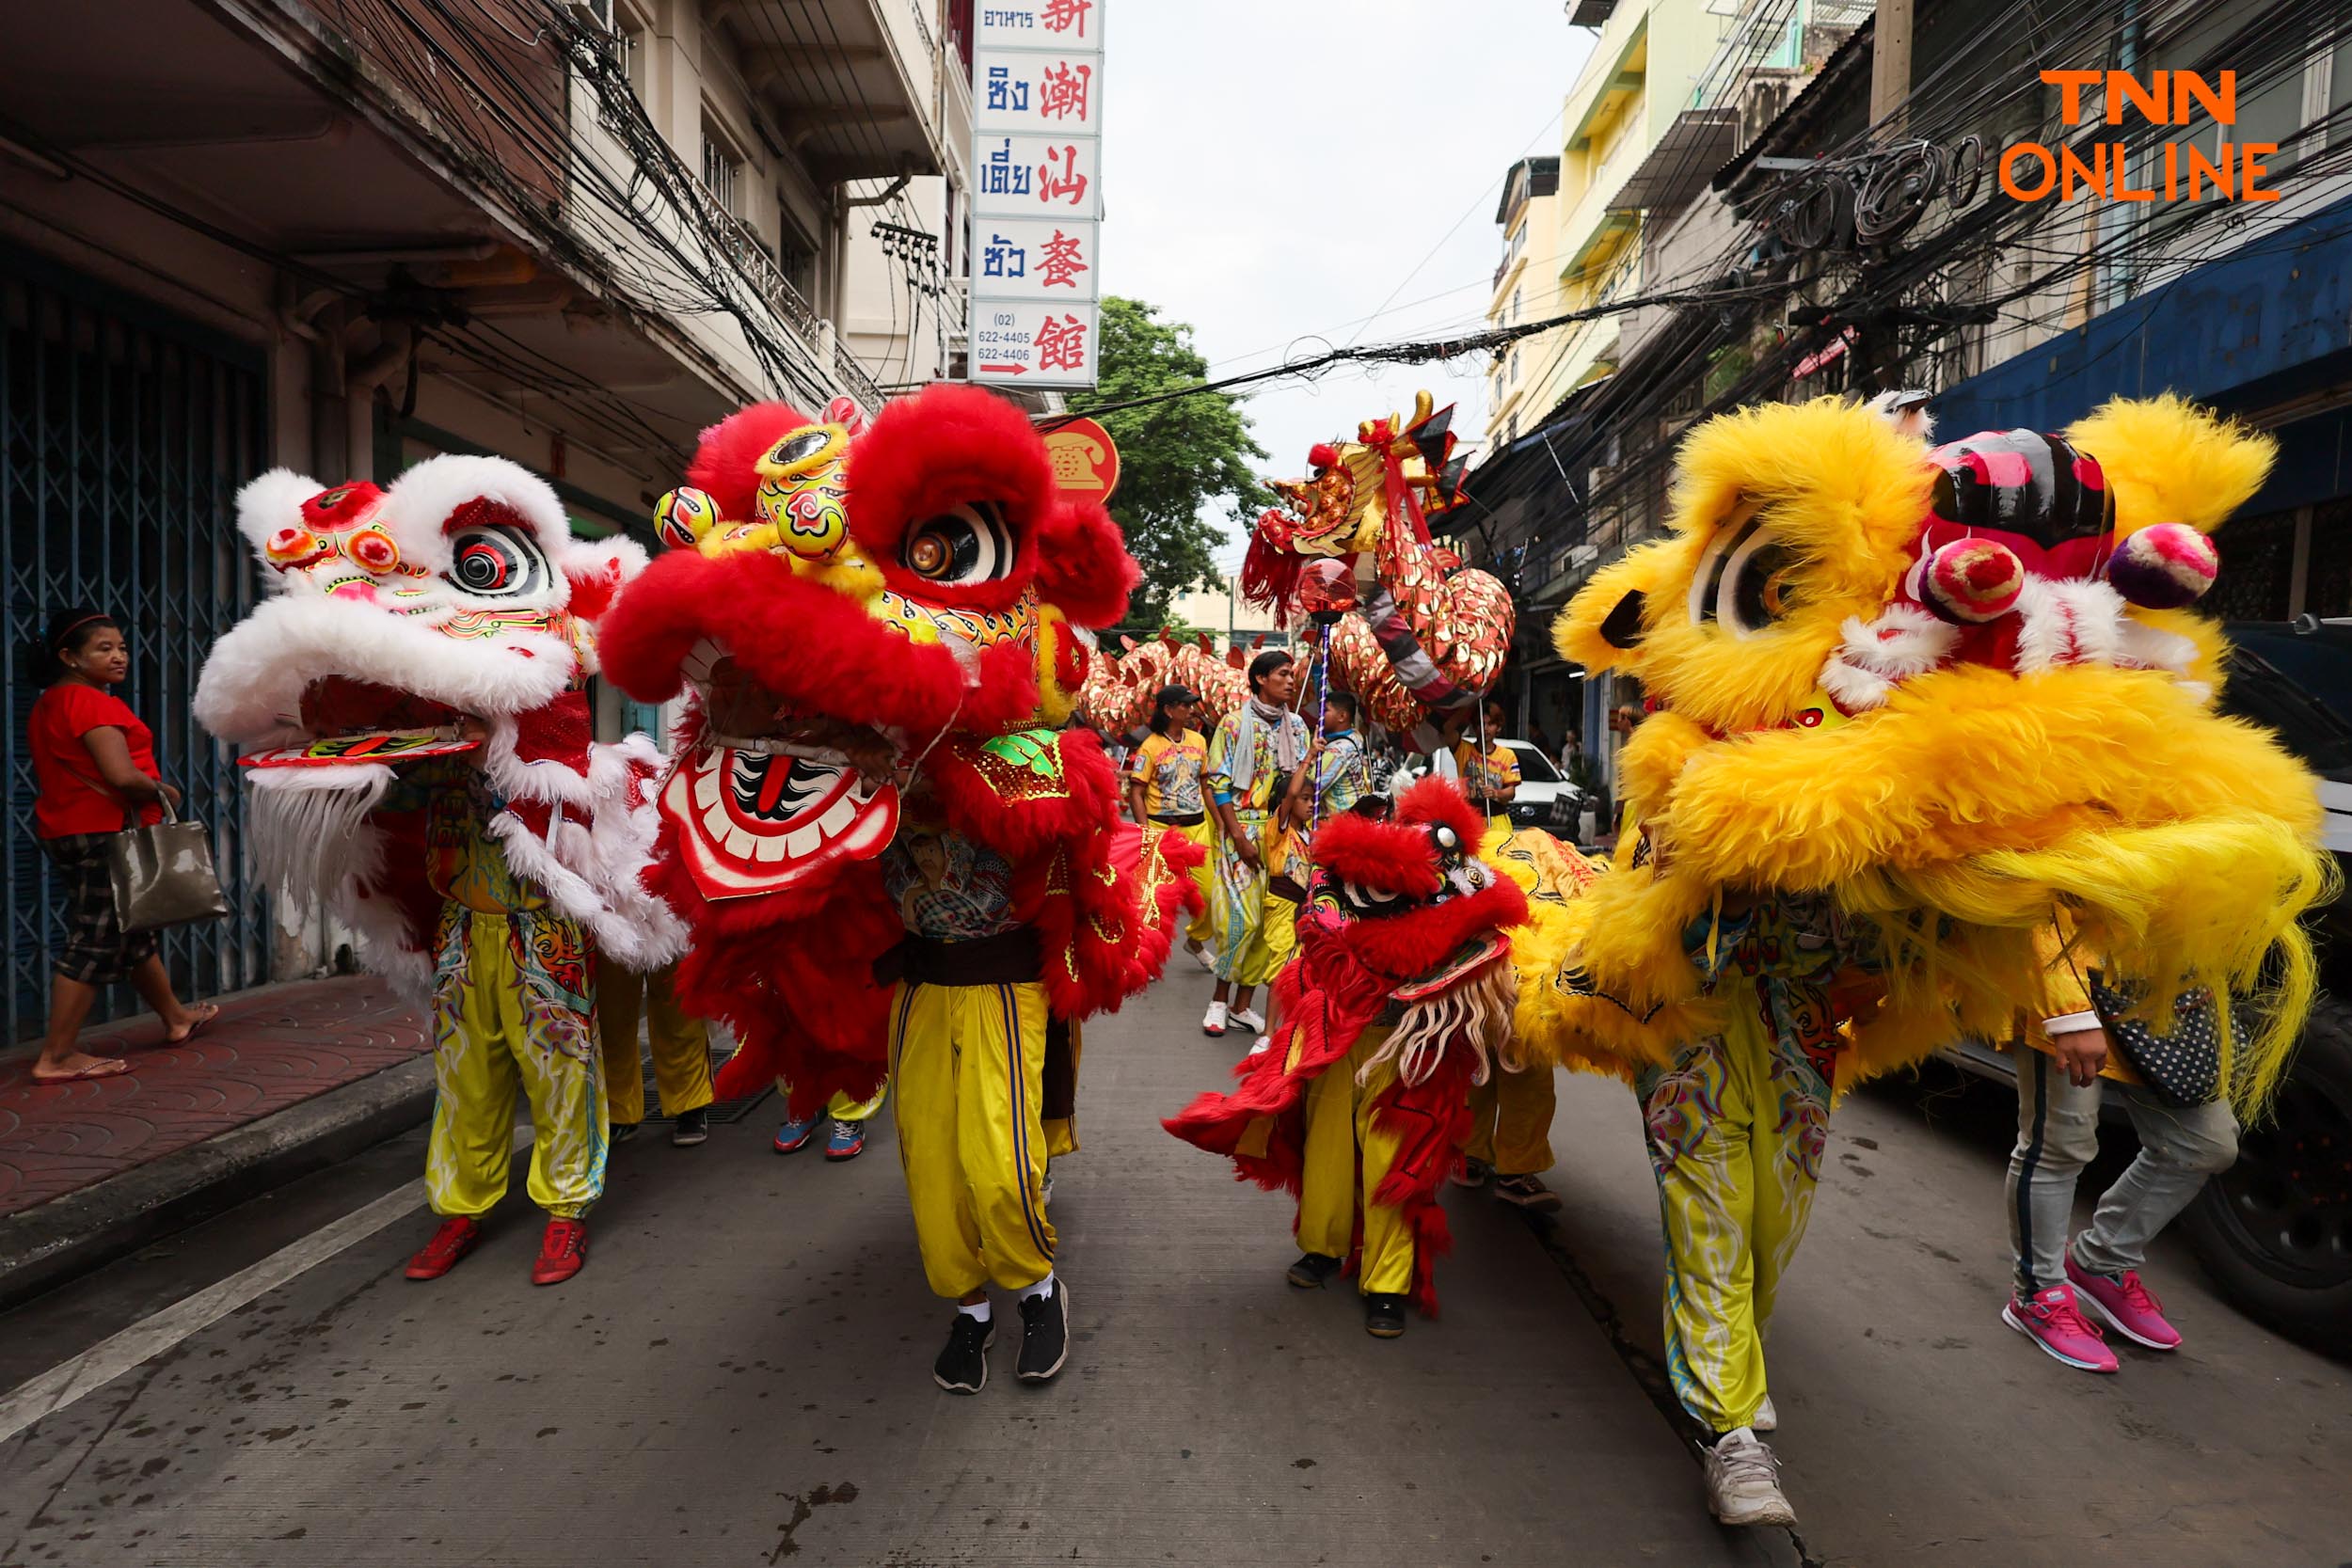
(741, 1376)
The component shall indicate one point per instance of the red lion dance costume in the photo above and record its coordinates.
(891, 858)
(1399, 1001)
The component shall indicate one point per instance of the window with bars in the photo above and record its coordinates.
(722, 166)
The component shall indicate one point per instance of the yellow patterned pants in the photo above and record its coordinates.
(680, 1042)
(1237, 906)
(1511, 1120)
(1734, 1130)
(514, 1013)
(1201, 927)
(1346, 1157)
(969, 1061)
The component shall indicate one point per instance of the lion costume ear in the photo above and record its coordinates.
(1082, 566)
(597, 568)
(1603, 625)
(2168, 461)
(272, 502)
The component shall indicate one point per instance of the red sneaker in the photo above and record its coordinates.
(456, 1237)
(561, 1251)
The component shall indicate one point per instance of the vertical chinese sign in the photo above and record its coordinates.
(1036, 207)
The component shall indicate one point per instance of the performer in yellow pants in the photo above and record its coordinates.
(1511, 1135)
(970, 1064)
(681, 1052)
(505, 1021)
(1736, 1129)
(1346, 1157)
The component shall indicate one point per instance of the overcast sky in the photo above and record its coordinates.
(1275, 171)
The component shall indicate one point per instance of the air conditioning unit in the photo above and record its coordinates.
(592, 13)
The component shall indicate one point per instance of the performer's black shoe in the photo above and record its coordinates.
(1384, 1315)
(962, 1366)
(692, 1127)
(1311, 1270)
(1045, 1334)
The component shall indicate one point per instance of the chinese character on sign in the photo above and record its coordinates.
(1062, 92)
(1061, 345)
(1065, 16)
(1001, 176)
(1005, 93)
(1001, 257)
(1068, 184)
(1058, 264)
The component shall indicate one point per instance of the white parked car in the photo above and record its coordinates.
(1546, 799)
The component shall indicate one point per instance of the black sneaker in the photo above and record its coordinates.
(1045, 1334)
(1311, 1270)
(620, 1131)
(1528, 1192)
(962, 1366)
(692, 1127)
(1384, 1315)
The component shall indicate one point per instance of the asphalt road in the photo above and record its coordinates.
(742, 1377)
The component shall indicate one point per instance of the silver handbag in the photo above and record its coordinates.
(163, 875)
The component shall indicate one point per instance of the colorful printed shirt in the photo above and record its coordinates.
(1268, 783)
(946, 886)
(1492, 778)
(1169, 771)
(462, 862)
(1343, 777)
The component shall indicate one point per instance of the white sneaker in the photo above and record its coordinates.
(1767, 1418)
(1200, 953)
(1743, 1482)
(1249, 1017)
(1213, 1023)
(1266, 1043)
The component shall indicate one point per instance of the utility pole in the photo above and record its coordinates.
(1890, 66)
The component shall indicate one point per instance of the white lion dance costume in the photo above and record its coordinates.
(412, 696)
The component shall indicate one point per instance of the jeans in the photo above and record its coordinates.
(2057, 1135)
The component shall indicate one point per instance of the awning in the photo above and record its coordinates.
(1699, 142)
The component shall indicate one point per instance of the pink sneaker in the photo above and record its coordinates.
(2124, 1302)
(2052, 1320)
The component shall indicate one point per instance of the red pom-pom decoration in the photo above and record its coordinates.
(1323, 454)
(1972, 579)
(2164, 566)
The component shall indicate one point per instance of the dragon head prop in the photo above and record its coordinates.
(834, 593)
(1409, 629)
(1952, 685)
(395, 622)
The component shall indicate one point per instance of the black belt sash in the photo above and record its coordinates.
(1008, 957)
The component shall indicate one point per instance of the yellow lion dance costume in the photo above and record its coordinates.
(1914, 711)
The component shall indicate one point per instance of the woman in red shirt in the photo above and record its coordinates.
(95, 763)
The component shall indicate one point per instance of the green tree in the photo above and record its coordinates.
(1178, 460)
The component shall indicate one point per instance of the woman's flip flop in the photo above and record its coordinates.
(106, 1067)
(199, 1016)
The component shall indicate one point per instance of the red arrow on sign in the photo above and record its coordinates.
(1004, 370)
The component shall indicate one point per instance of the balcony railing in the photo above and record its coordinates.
(854, 380)
(750, 255)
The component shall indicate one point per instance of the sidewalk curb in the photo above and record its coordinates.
(42, 1247)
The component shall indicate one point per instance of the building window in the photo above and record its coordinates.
(722, 166)
(629, 52)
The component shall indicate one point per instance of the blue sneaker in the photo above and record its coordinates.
(846, 1140)
(793, 1135)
